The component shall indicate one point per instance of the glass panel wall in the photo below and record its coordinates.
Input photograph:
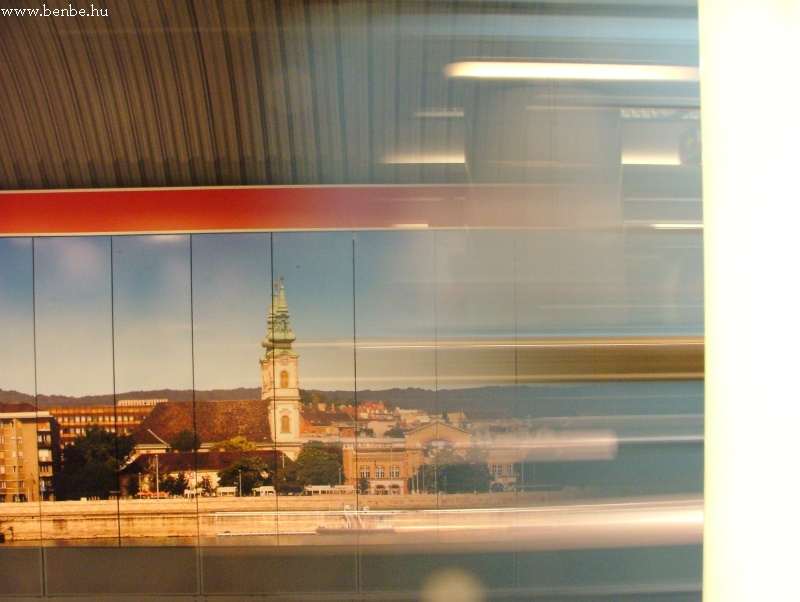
(153, 377)
(75, 359)
(27, 458)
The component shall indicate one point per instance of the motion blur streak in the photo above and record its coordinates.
(588, 524)
(567, 343)
(529, 360)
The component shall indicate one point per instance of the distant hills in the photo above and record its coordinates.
(536, 401)
(46, 401)
(569, 399)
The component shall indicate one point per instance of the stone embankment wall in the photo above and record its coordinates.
(84, 521)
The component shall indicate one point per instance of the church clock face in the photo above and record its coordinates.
(284, 360)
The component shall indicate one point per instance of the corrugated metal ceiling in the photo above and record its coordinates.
(205, 93)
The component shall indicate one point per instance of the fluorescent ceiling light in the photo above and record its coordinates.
(425, 158)
(650, 158)
(678, 226)
(571, 71)
(674, 226)
(440, 113)
(411, 226)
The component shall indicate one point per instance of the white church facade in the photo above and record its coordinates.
(280, 379)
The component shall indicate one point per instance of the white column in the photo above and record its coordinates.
(750, 69)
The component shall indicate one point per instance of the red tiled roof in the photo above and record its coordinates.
(11, 408)
(215, 421)
(320, 418)
(171, 462)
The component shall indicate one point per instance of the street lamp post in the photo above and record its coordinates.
(241, 494)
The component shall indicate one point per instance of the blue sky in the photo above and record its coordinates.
(16, 314)
(191, 311)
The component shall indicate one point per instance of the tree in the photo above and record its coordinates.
(237, 443)
(133, 486)
(185, 441)
(90, 464)
(465, 478)
(318, 466)
(395, 431)
(334, 447)
(205, 485)
(452, 473)
(287, 480)
(154, 473)
(250, 472)
(311, 399)
(166, 485)
(175, 485)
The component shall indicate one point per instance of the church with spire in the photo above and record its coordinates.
(280, 382)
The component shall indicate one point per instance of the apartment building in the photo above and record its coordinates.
(123, 417)
(29, 444)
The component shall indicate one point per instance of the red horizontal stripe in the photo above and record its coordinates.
(278, 208)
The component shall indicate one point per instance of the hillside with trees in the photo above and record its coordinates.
(536, 400)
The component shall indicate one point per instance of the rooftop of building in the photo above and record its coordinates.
(320, 417)
(213, 421)
(201, 461)
(14, 408)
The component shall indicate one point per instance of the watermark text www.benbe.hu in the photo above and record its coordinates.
(47, 11)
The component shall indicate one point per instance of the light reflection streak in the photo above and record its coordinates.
(587, 523)
(591, 523)
(571, 71)
(567, 343)
(562, 342)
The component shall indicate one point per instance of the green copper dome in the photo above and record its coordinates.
(279, 332)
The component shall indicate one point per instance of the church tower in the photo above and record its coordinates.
(280, 383)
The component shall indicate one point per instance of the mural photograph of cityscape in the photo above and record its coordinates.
(269, 387)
